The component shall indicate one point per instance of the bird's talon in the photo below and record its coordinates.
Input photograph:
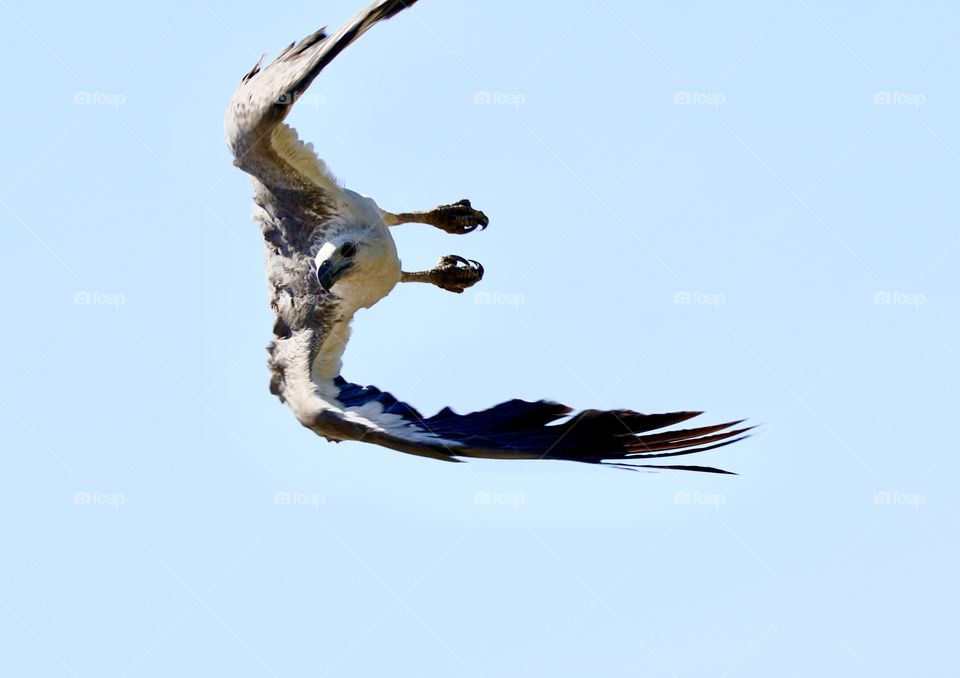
(455, 273)
(459, 218)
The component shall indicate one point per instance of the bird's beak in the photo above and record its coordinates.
(330, 270)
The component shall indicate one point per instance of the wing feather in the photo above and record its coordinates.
(265, 147)
(518, 429)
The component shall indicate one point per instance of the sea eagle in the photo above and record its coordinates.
(329, 253)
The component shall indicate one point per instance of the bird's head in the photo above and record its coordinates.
(360, 266)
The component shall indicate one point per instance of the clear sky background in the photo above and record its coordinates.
(744, 208)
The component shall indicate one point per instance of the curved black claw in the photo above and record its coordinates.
(455, 274)
(459, 218)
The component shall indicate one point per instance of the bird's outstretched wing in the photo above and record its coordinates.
(296, 179)
(262, 145)
(516, 429)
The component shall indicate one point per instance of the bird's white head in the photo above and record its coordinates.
(359, 265)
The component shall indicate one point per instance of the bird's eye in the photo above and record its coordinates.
(348, 249)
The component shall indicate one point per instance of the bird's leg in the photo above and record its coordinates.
(457, 218)
(452, 273)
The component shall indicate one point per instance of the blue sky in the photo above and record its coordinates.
(747, 209)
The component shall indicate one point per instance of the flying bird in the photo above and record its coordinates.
(329, 253)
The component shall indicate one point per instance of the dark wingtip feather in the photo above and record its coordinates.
(519, 429)
(687, 467)
(306, 43)
(256, 68)
(666, 467)
(397, 6)
(641, 449)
